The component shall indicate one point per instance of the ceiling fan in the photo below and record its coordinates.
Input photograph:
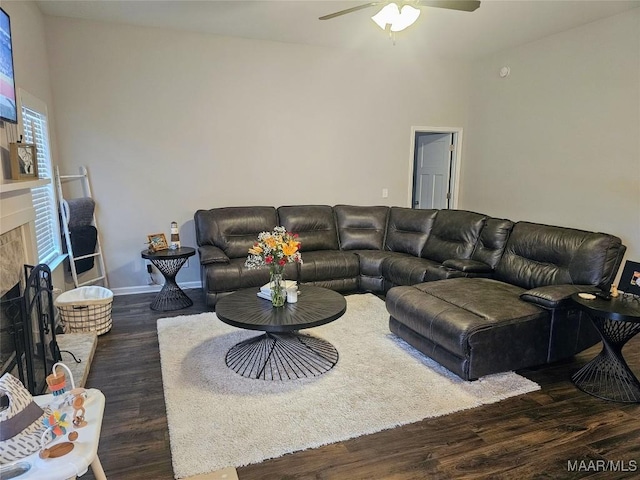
(399, 15)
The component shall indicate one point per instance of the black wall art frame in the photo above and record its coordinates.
(630, 279)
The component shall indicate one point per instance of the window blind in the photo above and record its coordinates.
(35, 130)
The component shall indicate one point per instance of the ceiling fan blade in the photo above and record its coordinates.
(464, 5)
(350, 10)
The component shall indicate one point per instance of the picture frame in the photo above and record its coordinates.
(157, 242)
(630, 279)
(24, 161)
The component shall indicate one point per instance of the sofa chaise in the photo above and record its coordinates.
(480, 295)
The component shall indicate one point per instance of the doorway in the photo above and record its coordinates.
(435, 167)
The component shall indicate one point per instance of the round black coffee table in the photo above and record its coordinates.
(608, 376)
(281, 353)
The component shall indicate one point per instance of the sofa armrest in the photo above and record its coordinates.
(468, 265)
(210, 254)
(554, 296)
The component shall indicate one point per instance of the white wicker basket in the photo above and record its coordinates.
(86, 309)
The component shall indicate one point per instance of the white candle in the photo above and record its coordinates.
(292, 295)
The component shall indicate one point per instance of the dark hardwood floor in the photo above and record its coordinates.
(531, 436)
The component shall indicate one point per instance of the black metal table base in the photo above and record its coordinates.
(608, 376)
(171, 297)
(282, 356)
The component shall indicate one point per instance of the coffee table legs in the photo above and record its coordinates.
(608, 376)
(282, 356)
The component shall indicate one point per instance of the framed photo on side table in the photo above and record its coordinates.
(630, 279)
(24, 162)
(157, 242)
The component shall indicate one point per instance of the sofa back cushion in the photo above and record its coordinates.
(492, 241)
(538, 255)
(361, 228)
(233, 229)
(454, 235)
(314, 224)
(408, 229)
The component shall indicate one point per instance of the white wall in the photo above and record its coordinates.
(31, 68)
(558, 141)
(31, 71)
(169, 122)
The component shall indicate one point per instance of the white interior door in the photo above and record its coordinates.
(432, 170)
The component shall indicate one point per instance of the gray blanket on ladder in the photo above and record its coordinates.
(83, 235)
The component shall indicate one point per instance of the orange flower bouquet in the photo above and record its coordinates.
(275, 249)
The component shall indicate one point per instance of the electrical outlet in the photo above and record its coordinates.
(149, 270)
(385, 193)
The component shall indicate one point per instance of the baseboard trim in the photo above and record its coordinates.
(151, 288)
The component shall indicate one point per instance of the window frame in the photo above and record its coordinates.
(47, 193)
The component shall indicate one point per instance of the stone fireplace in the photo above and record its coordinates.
(17, 232)
(17, 238)
(17, 227)
(12, 259)
(17, 249)
(28, 345)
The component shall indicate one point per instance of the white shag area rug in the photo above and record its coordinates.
(218, 418)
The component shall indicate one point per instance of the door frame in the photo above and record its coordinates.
(455, 164)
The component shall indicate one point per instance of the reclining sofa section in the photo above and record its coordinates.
(520, 317)
(344, 248)
(477, 294)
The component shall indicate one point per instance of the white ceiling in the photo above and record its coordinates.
(495, 26)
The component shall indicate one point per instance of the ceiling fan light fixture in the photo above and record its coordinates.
(386, 16)
(408, 16)
(399, 19)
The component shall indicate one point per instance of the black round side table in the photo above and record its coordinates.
(608, 376)
(169, 262)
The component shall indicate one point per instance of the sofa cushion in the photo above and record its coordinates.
(409, 270)
(361, 228)
(450, 312)
(233, 229)
(468, 266)
(314, 224)
(554, 296)
(371, 261)
(408, 229)
(234, 276)
(210, 254)
(404, 269)
(371, 279)
(538, 255)
(454, 235)
(328, 265)
(492, 241)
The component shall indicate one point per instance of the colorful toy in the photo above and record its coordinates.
(78, 411)
(56, 423)
(56, 426)
(60, 449)
(57, 381)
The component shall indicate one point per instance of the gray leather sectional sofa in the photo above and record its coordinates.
(479, 295)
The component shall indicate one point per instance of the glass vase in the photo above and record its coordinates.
(278, 292)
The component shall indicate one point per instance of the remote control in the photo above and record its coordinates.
(602, 295)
